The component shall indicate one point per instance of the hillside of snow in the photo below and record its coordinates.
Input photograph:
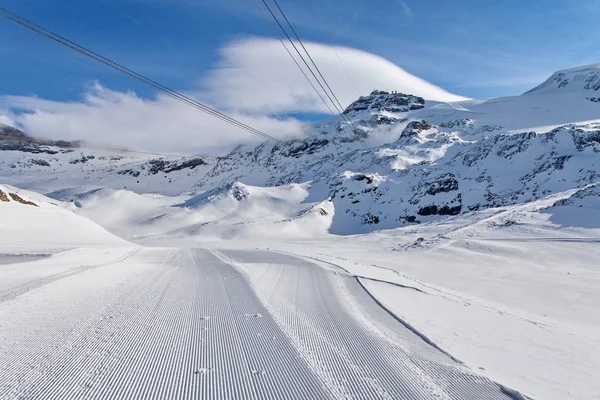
(30, 220)
(584, 79)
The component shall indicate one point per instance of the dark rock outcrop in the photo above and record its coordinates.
(380, 100)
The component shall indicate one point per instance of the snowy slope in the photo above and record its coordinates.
(231, 211)
(585, 78)
(28, 219)
(510, 291)
(186, 324)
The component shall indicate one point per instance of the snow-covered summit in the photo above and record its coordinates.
(583, 79)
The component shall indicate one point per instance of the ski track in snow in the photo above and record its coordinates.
(234, 324)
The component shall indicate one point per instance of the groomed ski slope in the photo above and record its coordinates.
(194, 323)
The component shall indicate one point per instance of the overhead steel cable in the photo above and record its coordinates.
(301, 56)
(292, 56)
(225, 59)
(15, 18)
(314, 14)
(80, 49)
(339, 108)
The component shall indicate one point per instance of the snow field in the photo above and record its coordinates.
(356, 347)
(182, 323)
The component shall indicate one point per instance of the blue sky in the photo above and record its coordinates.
(472, 48)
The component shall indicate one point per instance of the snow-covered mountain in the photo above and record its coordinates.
(585, 78)
(496, 205)
(392, 159)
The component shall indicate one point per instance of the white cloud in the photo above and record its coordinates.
(269, 85)
(124, 120)
(267, 60)
(4, 120)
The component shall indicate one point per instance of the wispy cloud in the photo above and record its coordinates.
(257, 60)
(125, 120)
(406, 9)
(5, 120)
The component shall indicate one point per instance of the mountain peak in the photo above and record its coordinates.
(583, 78)
(380, 100)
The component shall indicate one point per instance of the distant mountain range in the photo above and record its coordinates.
(425, 159)
(13, 139)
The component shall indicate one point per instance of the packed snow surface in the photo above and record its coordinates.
(184, 323)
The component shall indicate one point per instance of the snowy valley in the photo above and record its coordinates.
(475, 223)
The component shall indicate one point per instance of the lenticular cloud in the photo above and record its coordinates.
(258, 75)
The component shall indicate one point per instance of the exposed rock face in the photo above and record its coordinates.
(416, 127)
(40, 162)
(299, 147)
(21, 200)
(13, 139)
(9, 131)
(380, 100)
(83, 159)
(442, 210)
(159, 165)
(444, 184)
(379, 120)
